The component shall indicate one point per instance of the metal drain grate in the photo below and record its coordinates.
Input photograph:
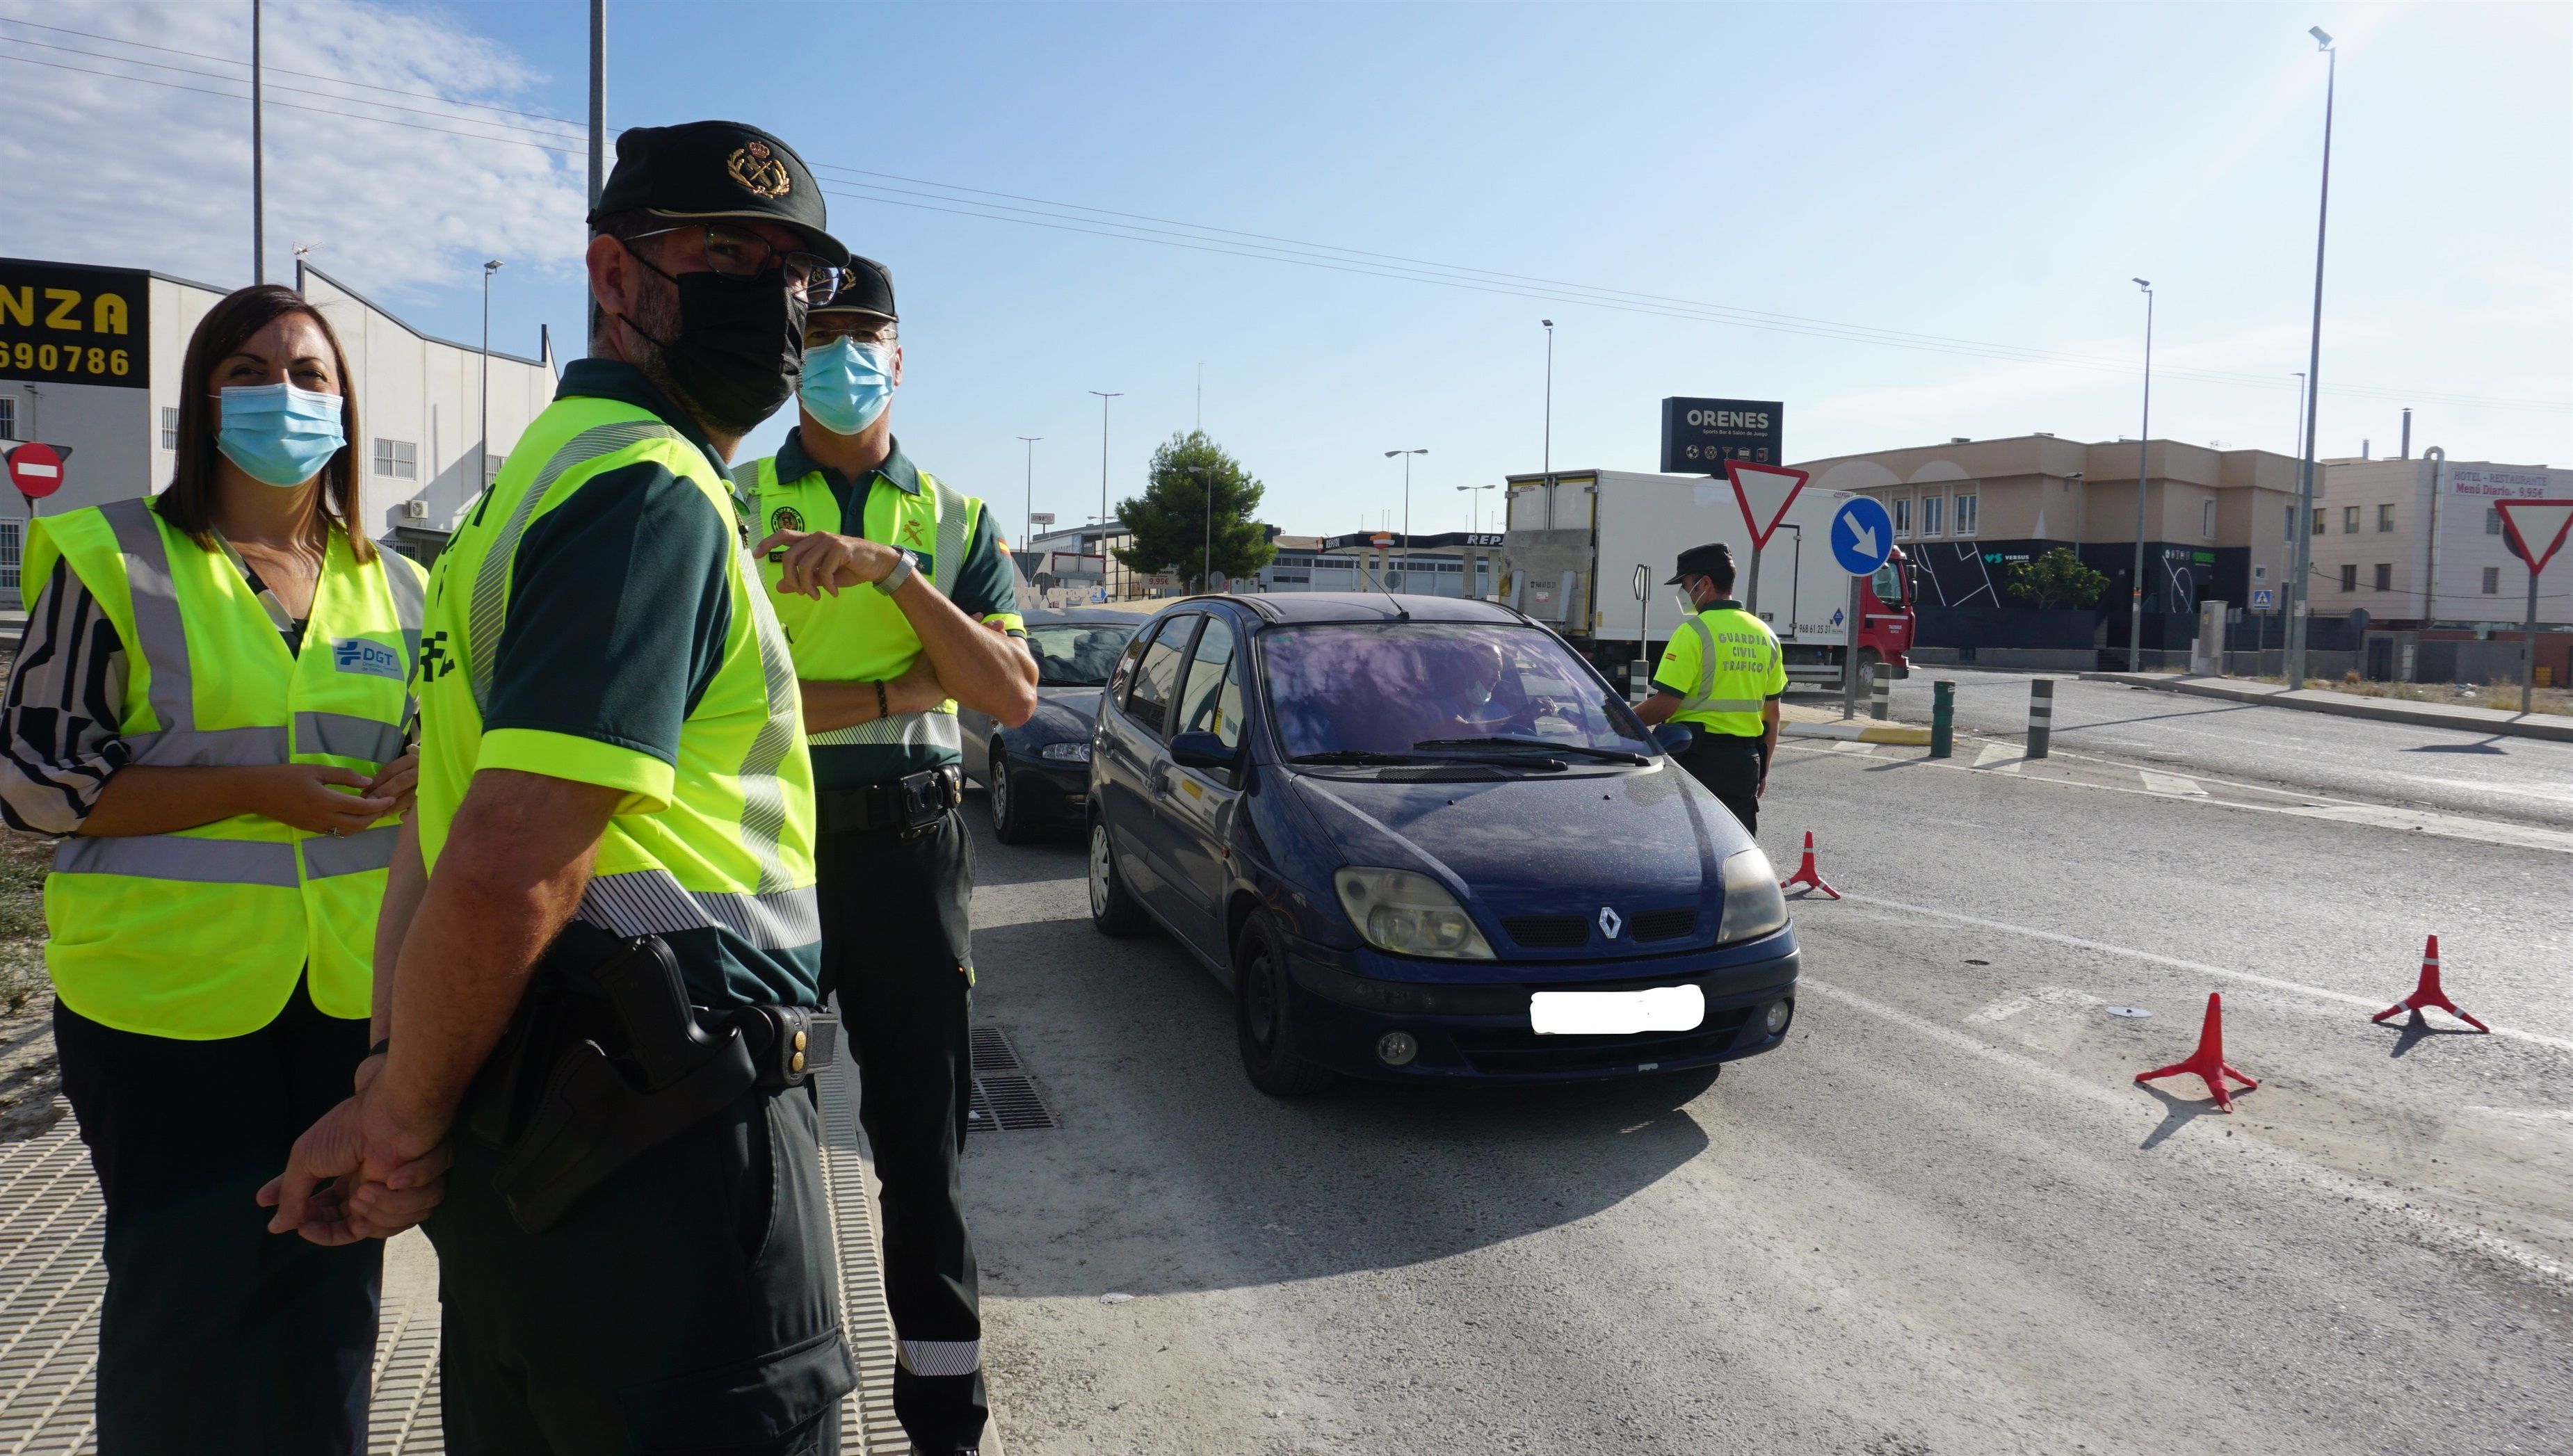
(1006, 1098)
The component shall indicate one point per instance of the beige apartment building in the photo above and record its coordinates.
(2418, 544)
(2218, 524)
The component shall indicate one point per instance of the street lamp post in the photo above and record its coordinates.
(1103, 396)
(1029, 527)
(2143, 445)
(1407, 511)
(482, 466)
(1548, 466)
(1473, 504)
(1205, 563)
(2303, 558)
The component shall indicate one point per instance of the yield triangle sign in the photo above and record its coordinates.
(2538, 529)
(1755, 488)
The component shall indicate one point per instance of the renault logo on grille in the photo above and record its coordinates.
(1610, 922)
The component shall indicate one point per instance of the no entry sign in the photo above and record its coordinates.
(36, 469)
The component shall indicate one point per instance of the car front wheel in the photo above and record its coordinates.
(1009, 818)
(1263, 1014)
(1113, 910)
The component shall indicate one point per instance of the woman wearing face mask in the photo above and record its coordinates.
(210, 708)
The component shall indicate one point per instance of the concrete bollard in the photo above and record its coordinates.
(1881, 692)
(2040, 715)
(1943, 718)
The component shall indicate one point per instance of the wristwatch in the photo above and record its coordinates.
(904, 564)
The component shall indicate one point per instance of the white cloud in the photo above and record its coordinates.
(123, 173)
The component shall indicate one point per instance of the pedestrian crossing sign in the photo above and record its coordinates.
(2263, 599)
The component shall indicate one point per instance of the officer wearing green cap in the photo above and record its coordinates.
(900, 602)
(1721, 677)
(600, 936)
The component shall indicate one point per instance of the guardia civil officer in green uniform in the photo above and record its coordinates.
(1721, 677)
(899, 600)
(603, 941)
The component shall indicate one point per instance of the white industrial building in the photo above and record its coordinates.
(2418, 544)
(89, 364)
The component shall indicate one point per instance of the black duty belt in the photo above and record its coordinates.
(588, 1077)
(904, 805)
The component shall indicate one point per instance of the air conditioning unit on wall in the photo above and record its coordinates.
(414, 510)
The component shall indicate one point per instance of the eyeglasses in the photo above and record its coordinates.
(830, 328)
(740, 253)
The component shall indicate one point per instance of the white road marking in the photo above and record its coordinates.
(2507, 791)
(2002, 1009)
(2124, 1101)
(2171, 783)
(2227, 973)
(2001, 758)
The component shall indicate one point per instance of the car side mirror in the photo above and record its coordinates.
(1199, 749)
(1673, 737)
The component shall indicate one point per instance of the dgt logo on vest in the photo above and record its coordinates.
(374, 660)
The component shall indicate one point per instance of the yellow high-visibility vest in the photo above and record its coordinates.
(1726, 665)
(202, 933)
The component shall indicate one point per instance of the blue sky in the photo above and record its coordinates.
(1984, 173)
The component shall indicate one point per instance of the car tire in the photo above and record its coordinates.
(1113, 911)
(1009, 817)
(1272, 1050)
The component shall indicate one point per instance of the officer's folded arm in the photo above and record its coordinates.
(509, 878)
(829, 705)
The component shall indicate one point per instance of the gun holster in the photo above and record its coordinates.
(567, 1111)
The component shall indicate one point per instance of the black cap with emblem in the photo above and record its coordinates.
(715, 170)
(1714, 560)
(867, 288)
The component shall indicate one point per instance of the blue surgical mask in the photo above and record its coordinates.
(278, 434)
(847, 383)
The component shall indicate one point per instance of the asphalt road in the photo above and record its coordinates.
(2528, 780)
(1942, 1219)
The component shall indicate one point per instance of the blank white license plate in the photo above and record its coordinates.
(1616, 1013)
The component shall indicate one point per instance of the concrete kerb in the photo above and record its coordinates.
(2554, 727)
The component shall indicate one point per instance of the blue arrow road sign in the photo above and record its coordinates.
(1862, 535)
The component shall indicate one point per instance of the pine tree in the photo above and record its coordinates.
(1169, 520)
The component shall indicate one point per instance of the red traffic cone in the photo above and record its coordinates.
(2428, 994)
(1806, 874)
(2207, 1062)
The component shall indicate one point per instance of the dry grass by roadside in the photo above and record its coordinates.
(28, 1075)
(2498, 695)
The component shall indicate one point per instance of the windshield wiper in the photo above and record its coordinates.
(1611, 755)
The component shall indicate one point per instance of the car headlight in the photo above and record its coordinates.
(1076, 751)
(1409, 914)
(1751, 905)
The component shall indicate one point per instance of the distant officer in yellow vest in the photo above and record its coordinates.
(1721, 677)
(899, 600)
(210, 704)
(604, 948)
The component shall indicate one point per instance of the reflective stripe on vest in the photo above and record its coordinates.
(756, 485)
(204, 933)
(732, 852)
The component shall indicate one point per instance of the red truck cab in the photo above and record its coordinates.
(1886, 622)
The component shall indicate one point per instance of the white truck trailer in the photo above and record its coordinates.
(1576, 540)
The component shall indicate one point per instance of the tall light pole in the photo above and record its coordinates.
(2302, 564)
(1472, 504)
(2143, 445)
(1103, 396)
(1029, 527)
(1205, 563)
(597, 117)
(2298, 438)
(1548, 466)
(1407, 511)
(1201, 424)
(482, 462)
(258, 161)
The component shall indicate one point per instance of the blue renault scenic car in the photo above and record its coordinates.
(1420, 838)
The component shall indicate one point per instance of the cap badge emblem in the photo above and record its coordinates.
(756, 168)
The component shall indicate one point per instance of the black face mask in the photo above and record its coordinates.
(740, 345)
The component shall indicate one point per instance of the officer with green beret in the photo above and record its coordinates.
(1721, 677)
(600, 937)
(900, 602)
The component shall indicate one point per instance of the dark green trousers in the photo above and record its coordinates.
(897, 947)
(1730, 767)
(689, 1303)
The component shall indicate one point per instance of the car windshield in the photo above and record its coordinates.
(1393, 687)
(1077, 654)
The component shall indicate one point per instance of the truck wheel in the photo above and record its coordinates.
(1263, 1016)
(1868, 658)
